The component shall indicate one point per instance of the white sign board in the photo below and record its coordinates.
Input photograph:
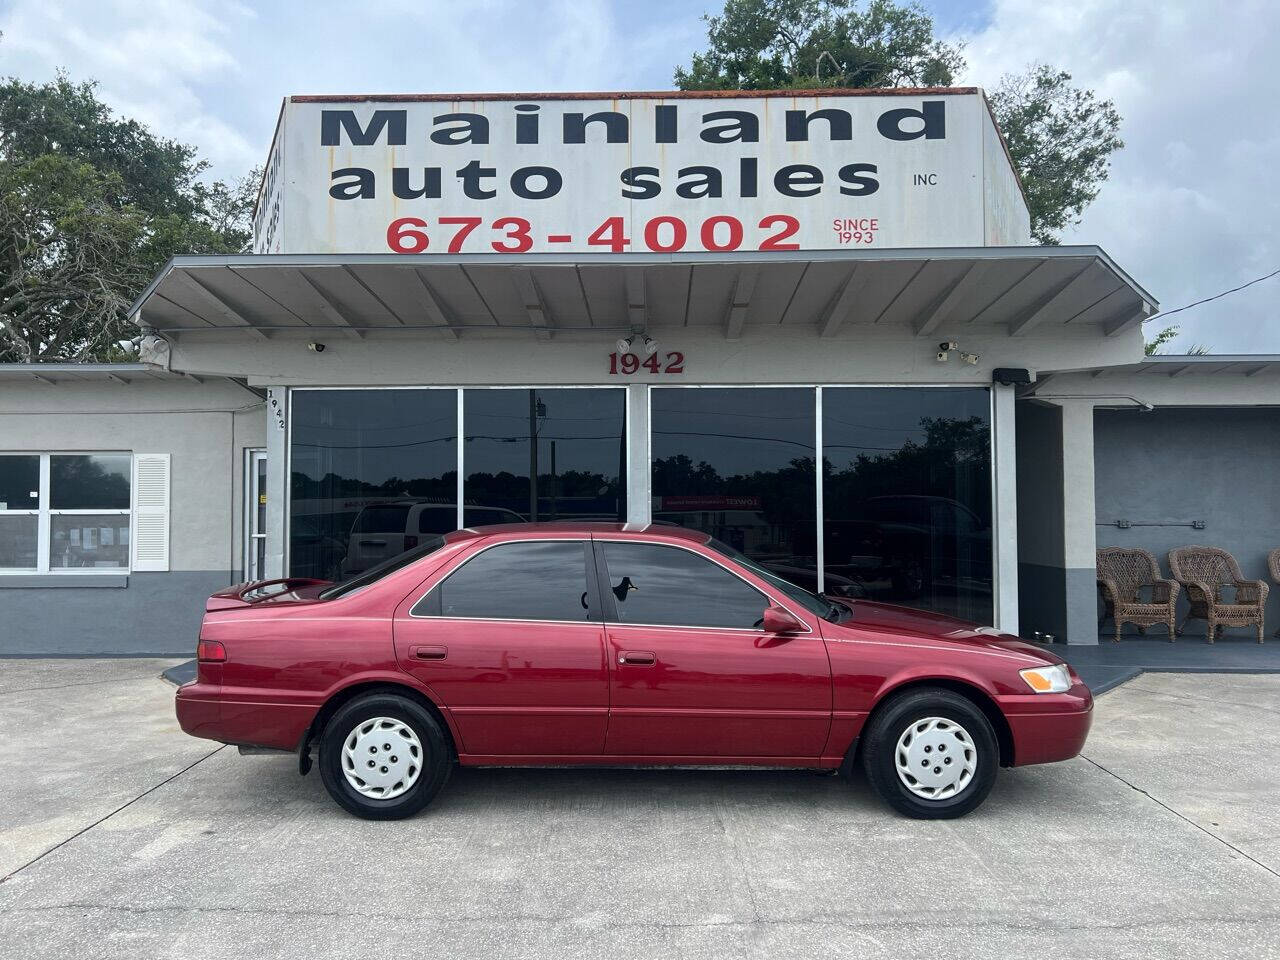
(696, 172)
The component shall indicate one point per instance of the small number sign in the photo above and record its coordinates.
(628, 363)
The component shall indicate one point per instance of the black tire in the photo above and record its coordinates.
(436, 760)
(890, 723)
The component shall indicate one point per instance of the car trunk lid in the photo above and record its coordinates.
(284, 590)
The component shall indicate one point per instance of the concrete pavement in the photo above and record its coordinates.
(1160, 844)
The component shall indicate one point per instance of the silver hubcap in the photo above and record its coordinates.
(936, 758)
(381, 758)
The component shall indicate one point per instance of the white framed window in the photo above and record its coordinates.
(73, 512)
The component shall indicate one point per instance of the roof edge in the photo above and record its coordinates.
(637, 95)
(252, 260)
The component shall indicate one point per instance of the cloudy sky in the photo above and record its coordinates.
(1190, 209)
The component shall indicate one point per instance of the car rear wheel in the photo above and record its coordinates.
(383, 757)
(931, 754)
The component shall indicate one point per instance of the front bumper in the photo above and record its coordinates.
(1049, 727)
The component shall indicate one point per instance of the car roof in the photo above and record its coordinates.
(586, 528)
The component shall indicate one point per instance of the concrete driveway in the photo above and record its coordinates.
(120, 837)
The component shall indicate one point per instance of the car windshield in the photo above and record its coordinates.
(815, 604)
(400, 560)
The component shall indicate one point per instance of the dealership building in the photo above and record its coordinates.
(812, 325)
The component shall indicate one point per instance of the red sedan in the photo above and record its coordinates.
(540, 644)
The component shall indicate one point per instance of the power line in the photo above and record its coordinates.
(1216, 296)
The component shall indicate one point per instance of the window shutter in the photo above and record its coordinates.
(150, 528)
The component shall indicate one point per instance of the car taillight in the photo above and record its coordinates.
(410, 542)
(210, 651)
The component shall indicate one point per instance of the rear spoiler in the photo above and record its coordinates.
(246, 594)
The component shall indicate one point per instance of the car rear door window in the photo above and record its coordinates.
(670, 586)
(529, 580)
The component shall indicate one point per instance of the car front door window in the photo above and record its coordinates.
(660, 585)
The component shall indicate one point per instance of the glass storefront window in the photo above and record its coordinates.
(738, 463)
(578, 458)
(907, 496)
(374, 472)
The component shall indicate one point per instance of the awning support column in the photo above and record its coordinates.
(639, 475)
(277, 480)
(1004, 492)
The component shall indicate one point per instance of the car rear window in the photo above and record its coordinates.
(384, 568)
(386, 519)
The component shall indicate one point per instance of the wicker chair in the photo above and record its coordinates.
(1203, 572)
(1273, 565)
(1122, 573)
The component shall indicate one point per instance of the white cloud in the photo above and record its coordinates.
(1189, 209)
(153, 61)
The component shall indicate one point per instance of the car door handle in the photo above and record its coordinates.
(637, 658)
(429, 652)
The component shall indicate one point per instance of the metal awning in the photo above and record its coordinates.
(85, 372)
(1003, 290)
(1172, 365)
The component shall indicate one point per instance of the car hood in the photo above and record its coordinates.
(936, 627)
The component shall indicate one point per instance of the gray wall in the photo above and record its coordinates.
(205, 427)
(1220, 465)
(155, 614)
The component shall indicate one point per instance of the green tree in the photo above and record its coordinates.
(1060, 137)
(1156, 343)
(91, 206)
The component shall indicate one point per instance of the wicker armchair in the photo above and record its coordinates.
(1273, 565)
(1203, 572)
(1122, 573)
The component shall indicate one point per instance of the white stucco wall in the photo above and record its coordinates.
(205, 427)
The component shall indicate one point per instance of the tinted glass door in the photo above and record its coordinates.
(544, 455)
(738, 464)
(691, 673)
(907, 497)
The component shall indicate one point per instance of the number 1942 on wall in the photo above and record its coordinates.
(629, 363)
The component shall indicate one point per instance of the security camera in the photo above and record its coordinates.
(943, 356)
(948, 345)
(970, 358)
(315, 347)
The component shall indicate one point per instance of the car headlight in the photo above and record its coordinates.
(1054, 678)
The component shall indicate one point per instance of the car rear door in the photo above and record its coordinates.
(691, 672)
(511, 640)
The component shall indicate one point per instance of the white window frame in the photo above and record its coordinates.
(44, 514)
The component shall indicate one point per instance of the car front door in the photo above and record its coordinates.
(512, 642)
(692, 674)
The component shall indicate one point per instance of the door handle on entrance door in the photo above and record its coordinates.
(638, 658)
(429, 652)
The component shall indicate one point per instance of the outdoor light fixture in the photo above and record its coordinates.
(648, 346)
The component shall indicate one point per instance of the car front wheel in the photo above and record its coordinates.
(383, 757)
(931, 754)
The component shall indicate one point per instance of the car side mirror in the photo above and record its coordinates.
(778, 620)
